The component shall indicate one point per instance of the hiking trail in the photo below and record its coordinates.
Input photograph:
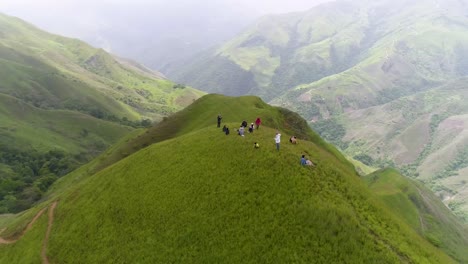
(28, 227)
(44, 258)
(45, 242)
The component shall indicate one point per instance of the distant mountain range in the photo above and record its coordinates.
(384, 80)
(62, 102)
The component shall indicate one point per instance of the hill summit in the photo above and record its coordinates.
(194, 194)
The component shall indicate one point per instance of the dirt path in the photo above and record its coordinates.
(45, 242)
(44, 258)
(28, 227)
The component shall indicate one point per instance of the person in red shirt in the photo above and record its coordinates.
(258, 122)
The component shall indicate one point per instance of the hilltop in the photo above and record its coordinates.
(62, 102)
(349, 62)
(195, 194)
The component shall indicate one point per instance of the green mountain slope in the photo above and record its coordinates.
(354, 64)
(424, 133)
(203, 196)
(422, 210)
(37, 146)
(50, 71)
(62, 102)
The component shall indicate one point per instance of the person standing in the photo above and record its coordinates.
(278, 140)
(219, 120)
(258, 122)
(251, 128)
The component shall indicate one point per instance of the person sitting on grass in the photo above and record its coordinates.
(293, 140)
(306, 162)
(224, 128)
(256, 145)
(227, 131)
(241, 131)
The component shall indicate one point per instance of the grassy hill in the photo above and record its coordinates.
(51, 71)
(422, 210)
(348, 63)
(197, 195)
(38, 146)
(62, 102)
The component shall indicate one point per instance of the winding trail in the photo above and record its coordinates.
(44, 258)
(45, 242)
(28, 227)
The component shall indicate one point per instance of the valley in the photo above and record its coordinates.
(383, 80)
(104, 160)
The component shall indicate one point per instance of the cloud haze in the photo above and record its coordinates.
(132, 27)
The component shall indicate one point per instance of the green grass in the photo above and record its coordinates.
(203, 112)
(27, 249)
(197, 195)
(62, 95)
(56, 72)
(422, 210)
(44, 130)
(220, 200)
(383, 67)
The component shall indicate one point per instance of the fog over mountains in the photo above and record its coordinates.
(155, 33)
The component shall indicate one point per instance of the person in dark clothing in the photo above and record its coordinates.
(224, 128)
(219, 120)
(251, 128)
(244, 124)
(227, 131)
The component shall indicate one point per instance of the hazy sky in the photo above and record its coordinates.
(75, 17)
(168, 28)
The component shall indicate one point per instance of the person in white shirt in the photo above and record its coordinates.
(241, 131)
(278, 140)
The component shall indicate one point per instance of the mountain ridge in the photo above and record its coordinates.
(223, 199)
(341, 59)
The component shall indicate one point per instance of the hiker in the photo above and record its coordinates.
(241, 131)
(278, 140)
(219, 120)
(224, 128)
(251, 128)
(258, 122)
(244, 124)
(256, 145)
(293, 140)
(306, 162)
(227, 131)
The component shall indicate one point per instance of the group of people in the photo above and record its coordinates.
(242, 128)
(251, 128)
